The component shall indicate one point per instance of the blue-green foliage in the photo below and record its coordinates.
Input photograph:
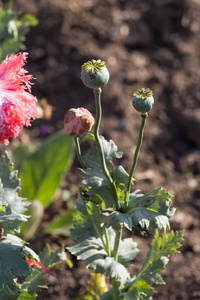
(150, 211)
(14, 206)
(156, 260)
(96, 213)
(13, 250)
(88, 244)
(94, 178)
(35, 280)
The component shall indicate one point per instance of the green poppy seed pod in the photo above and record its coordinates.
(94, 74)
(143, 100)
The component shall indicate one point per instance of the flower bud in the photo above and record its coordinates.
(143, 100)
(1, 232)
(78, 122)
(94, 74)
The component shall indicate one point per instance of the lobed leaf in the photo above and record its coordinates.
(93, 176)
(89, 246)
(121, 177)
(14, 207)
(150, 211)
(35, 279)
(156, 260)
(12, 264)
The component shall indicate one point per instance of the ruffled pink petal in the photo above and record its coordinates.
(17, 105)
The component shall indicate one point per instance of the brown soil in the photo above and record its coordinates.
(151, 44)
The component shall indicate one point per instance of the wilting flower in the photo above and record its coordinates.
(38, 264)
(78, 122)
(17, 105)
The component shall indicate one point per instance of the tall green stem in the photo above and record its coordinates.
(97, 94)
(115, 289)
(115, 255)
(137, 150)
(78, 149)
(107, 241)
(117, 242)
(9, 4)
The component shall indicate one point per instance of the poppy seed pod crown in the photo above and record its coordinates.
(143, 100)
(94, 74)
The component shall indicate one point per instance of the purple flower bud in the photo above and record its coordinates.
(78, 122)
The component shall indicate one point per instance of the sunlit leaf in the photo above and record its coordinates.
(150, 211)
(156, 260)
(43, 169)
(14, 206)
(89, 246)
(61, 225)
(12, 263)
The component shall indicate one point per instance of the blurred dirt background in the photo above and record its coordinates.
(153, 44)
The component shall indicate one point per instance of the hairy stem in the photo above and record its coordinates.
(99, 234)
(97, 94)
(78, 149)
(115, 289)
(117, 242)
(115, 255)
(137, 150)
(107, 241)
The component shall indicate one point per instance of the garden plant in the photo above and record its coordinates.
(106, 203)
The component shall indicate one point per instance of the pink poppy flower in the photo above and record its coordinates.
(38, 264)
(17, 105)
(78, 121)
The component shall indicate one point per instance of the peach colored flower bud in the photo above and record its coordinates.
(78, 122)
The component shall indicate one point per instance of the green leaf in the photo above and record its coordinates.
(43, 168)
(90, 136)
(150, 211)
(36, 211)
(141, 291)
(93, 176)
(156, 260)
(26, 296)
(35, 280)
(121, 177)
(14, 206)
(89, 242)
(61, 225)
(18, 155)
(28, 20)
(13, 28)
(12, 263)
(108, 295)
(127, 251)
